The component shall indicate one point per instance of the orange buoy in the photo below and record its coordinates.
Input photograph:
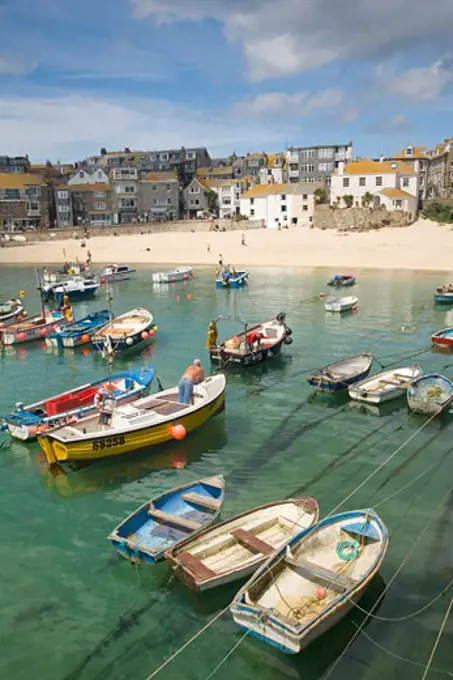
(178, 432)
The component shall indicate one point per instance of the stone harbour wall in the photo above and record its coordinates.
(358, 219)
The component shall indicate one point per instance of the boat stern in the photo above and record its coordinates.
(54, 451)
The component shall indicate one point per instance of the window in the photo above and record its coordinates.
(238, 196)
(164, 156)
(345, 182)
(405, 181)
(252, 212)
(129, 190)
(305, 197)
(362, 181)
(322, 167)
(195, 189)
(398, 203)
(191, 155)
(252, 201)
(99, 194)
(226, 190)
(33, 191)
(325, 153)
(34, 205)
(283, 208)
(168, 187)
(283, 197)
(293, 167)
(12, 194)
(127, 203)
(307, 153)
(378, 181)
(305, 207)
(154, 187)
(155, 201)
(63, 208)
(329, 167)
(168, 201)
(63, 194)
(307, 168)
(226, 201)
(194, 201)
(100, 206)
(81, 175)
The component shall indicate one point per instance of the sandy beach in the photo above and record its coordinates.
(423, 246)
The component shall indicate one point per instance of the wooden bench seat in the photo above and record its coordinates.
(196, 567)
(205, 501)
(177, 521)
(251, 542)
(327, 576)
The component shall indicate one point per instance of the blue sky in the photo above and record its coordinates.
(232, 75)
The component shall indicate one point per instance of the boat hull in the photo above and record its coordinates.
(430, 395)
(332, 386)
(443, 299)
(225, 358)
(100, 447)
(25, 333)
(173, 277)
(443, 338)
(342, 283)
(387, 392)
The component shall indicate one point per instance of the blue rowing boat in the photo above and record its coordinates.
(229, 280)
(430, 394)
(25, 422)
(166, 520)
(342, 280)
(341, 374)
(79, 332)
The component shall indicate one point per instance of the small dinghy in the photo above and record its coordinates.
(341, 304)
(178, 274)
(385, 386)
(341, 374)
(430, 394)
(169, 519)
(127, 331)
(313, 581)
(127, 429)
(35, 327)
(116, 272)
(11, 311)
(230, 279)
(80, 332)
(443, 338)
(236, 548)
(24, 422)
(254, 345)
(76, 288)
(342, 280)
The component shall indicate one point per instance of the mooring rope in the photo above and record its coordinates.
(386, 588)
(439, 635)
(397, 656)
(228, 654)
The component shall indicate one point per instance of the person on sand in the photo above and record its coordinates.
(243, 243)
(192, 376)
(208, 247)
(220, 260)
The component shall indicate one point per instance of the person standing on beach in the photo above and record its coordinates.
(243, 243)
(208, 247)
(220, 260)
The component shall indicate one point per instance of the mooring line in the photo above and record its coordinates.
(439, 635)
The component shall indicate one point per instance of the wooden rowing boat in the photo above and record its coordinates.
(385, 386)
(341, 304)
(168, 519)
(236, 548)
(341, 374)
(147, 422)
(312, 581)
(443, 338)
(430, 394)
(128, 331)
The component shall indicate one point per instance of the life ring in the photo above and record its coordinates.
(348, 550)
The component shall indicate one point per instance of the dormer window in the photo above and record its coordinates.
(409, 151)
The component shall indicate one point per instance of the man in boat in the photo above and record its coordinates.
(254, 340)
(212, 335)
(192, 376)
(105, 403)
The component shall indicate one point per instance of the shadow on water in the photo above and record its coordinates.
(380, 410)
(116, 471)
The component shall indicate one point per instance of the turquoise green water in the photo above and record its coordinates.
(70, 610)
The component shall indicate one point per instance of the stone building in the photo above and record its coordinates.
(159, 196)
(25, 200)
(199, 198)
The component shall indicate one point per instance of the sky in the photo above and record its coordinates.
(231, 75)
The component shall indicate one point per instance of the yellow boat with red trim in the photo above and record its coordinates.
(147, 422)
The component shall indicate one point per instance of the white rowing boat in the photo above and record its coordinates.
(385, 386)
(178, 274)
(341, 304)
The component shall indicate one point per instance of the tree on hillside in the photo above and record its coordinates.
(367, 199)
(321, 195)
(348, 200)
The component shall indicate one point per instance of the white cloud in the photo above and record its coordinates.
(10, 66)
(290, 36)
(393, 125)
(71, 126)
(296, 104)
(421, 84)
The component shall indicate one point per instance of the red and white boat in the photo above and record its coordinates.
(443, 338)
(35, 327)
(11, 312)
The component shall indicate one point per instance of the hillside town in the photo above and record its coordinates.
(301, 187)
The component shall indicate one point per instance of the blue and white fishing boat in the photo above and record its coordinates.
(79, 332)
(430, 394)
(25, 422)
(166, 520)
(116, 272)
(385, 386)
(443, 296)
(342, 280)
(125, 332)
(309, 585)
(341, 374)
(232, 279)
(76, 288)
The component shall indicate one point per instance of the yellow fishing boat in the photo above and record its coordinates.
(147, 422)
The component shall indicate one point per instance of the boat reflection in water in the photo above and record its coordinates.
(380, 410)
(333, 400)
(88, 478)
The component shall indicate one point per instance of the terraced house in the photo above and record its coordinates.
(92, 204)
(159, 196)
(25, 200)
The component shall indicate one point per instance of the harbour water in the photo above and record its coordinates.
(71, 610)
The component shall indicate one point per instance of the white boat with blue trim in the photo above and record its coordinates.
(385, 386)
(312, 581)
